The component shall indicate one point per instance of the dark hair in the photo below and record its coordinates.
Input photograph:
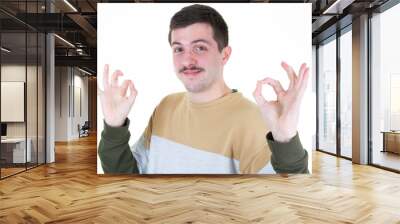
(201, 14)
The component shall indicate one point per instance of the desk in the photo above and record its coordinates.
(391, 141)
(16, 147)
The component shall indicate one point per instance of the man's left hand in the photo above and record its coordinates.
(281, 116)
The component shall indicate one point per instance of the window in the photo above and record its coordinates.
(385, 89)
(346, 94)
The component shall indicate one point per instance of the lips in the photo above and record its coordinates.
(192, 72)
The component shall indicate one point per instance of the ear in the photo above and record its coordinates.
(226, 53)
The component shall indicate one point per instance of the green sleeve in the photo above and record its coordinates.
(114, 150)
(288, 157)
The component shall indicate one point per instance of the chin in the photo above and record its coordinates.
(196, 85)
(196, 88)
(193, 89)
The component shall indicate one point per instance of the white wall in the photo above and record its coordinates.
(61, 103)
(79, 118)
(68, 80)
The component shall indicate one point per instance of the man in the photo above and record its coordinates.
(211, 128)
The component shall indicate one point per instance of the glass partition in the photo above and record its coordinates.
(22, 63)
(13, 95)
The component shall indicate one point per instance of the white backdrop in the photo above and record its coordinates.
(134, 39)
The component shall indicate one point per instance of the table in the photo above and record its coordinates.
(391, 141)
(15, 148)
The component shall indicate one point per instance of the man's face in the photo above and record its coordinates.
(197, 60)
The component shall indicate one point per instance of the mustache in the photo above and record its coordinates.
(191, 68)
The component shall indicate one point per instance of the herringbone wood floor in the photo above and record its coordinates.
(69, 191)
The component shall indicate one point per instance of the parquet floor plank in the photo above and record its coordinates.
(70, 191)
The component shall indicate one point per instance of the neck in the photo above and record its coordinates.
(212, 93)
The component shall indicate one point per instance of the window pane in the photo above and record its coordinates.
(13, 86)
(346, 94)
(327, 96)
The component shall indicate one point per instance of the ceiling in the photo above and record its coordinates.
(76, 22)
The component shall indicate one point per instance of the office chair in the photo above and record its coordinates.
(84, 130)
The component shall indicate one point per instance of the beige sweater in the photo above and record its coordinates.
(226, 135)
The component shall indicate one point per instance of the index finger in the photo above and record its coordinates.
(106, 76)
(304, 80)
(290, 72)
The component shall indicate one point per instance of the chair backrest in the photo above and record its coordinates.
(86, 125)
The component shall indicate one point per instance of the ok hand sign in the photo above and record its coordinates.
(115, 102)
(282, 115)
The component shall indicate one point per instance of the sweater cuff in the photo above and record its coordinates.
(292, 150)
(116, 133)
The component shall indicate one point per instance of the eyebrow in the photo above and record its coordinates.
(193, 42)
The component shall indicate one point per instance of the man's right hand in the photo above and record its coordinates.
(115, 102)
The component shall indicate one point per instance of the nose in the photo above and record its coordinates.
(189, 59)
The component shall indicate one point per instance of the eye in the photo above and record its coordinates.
(200, 49)
(177, 50)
